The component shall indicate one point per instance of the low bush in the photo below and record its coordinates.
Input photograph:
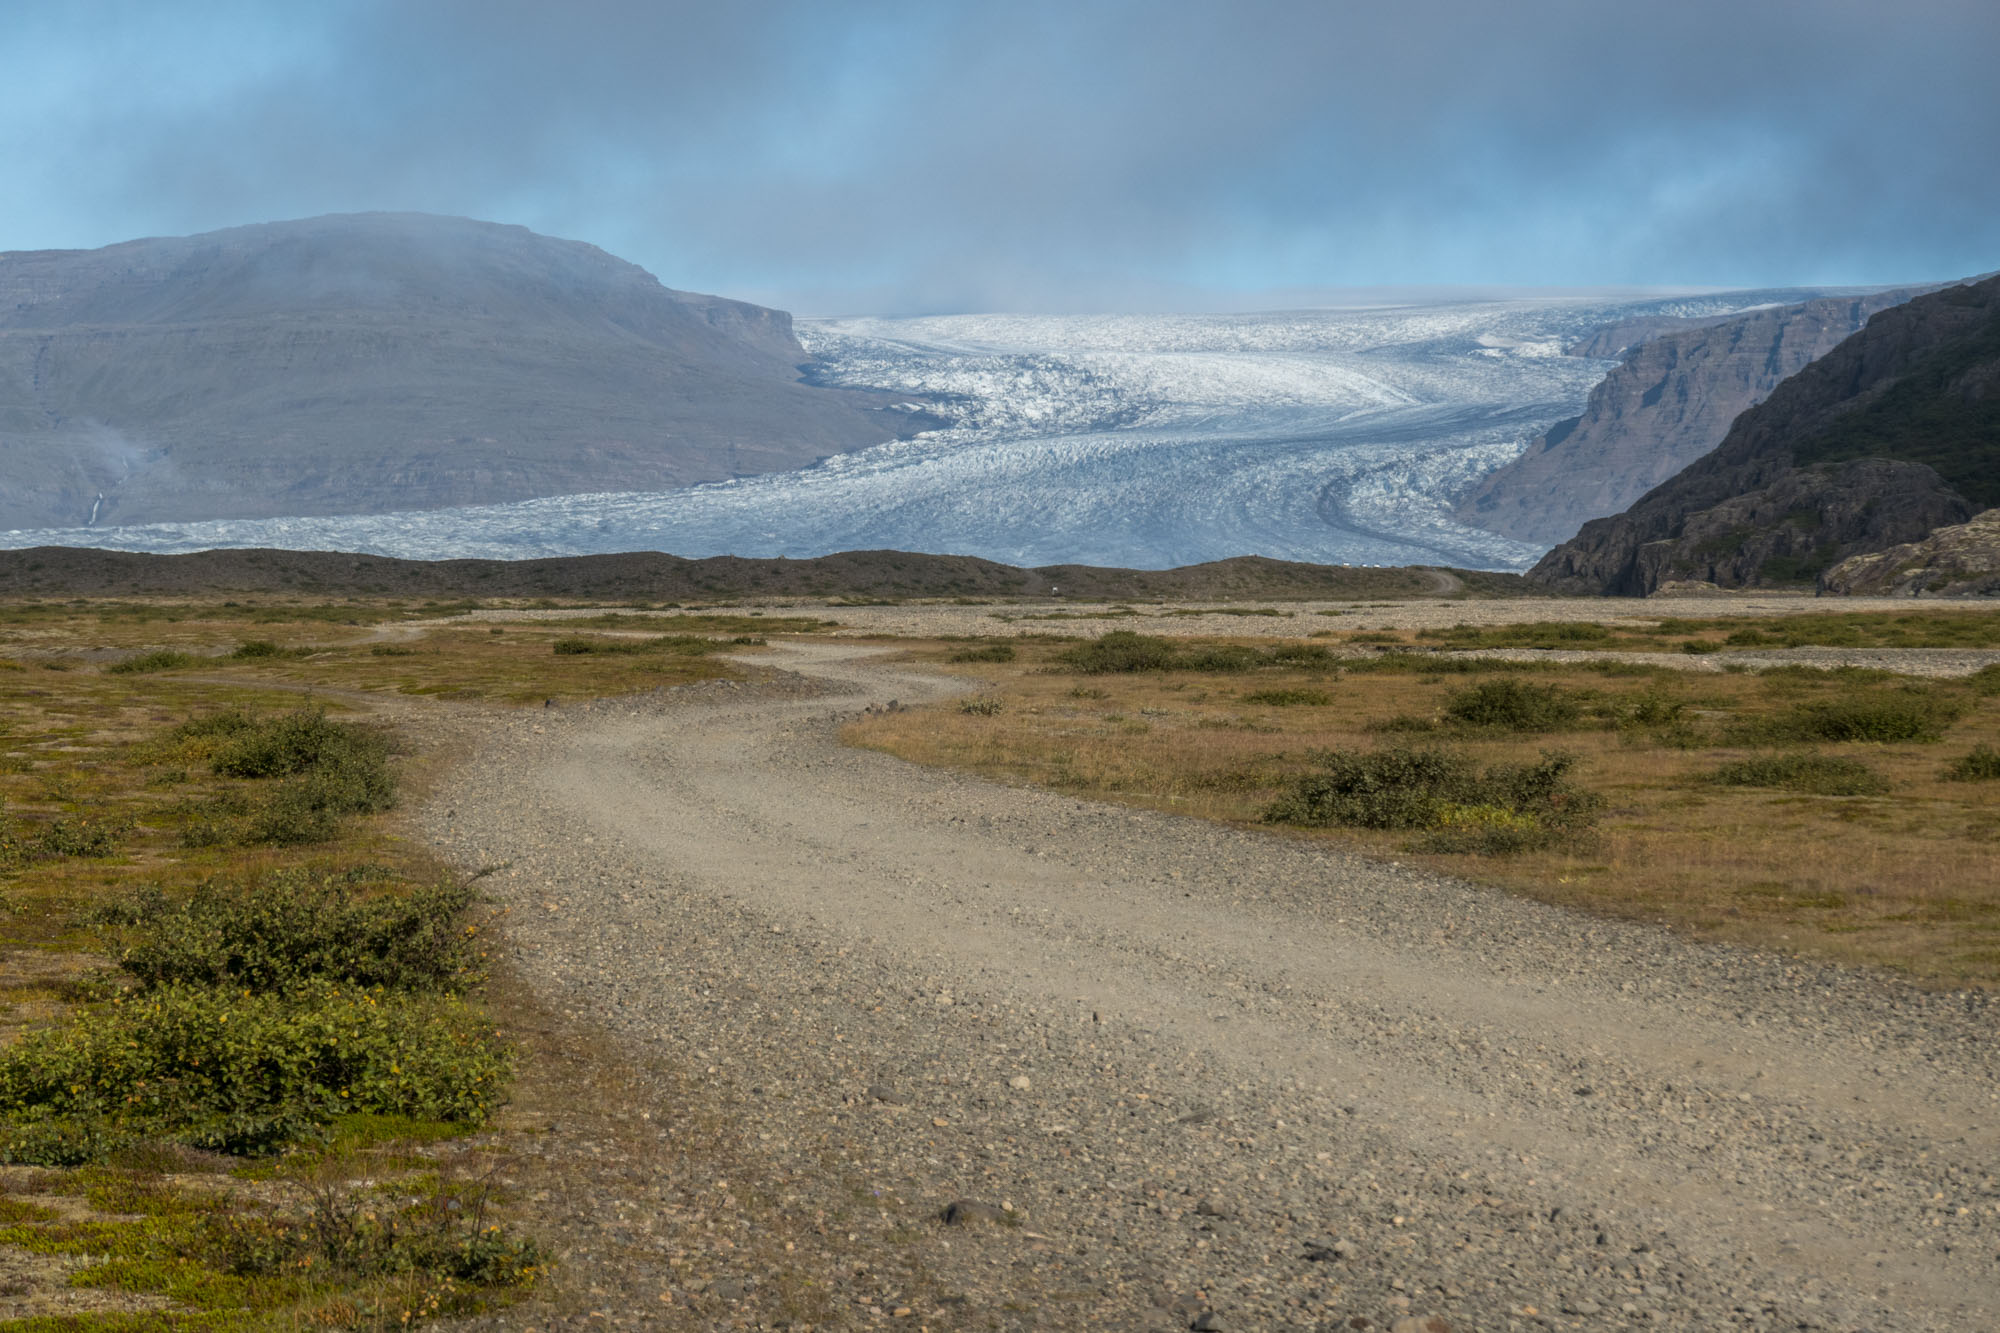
(1507, 808)
(293, 743)
(236, 1072)
(1814, 774)
(364, 1233)
(1126, 650)
(1219, 657)
(1121, 650)
(1383, 789)
(1650, 708)
(395, 650)
(1289, 698)
(992, 652)
(309, 808)
(684, 645)
(1912, 713)
(86, 836)
(1514, 705)
(1986, 680)
(164, 659)
(294, 926)
(1401, 662)
(979, 707)
(1316, 655)
(1981, 765)
(264, 650)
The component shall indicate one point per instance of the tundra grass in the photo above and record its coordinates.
(105, 777)
(1901, 872)
(1831, 629)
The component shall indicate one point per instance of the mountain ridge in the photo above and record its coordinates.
(1670, 400)
(1893, 434)
(383, 361)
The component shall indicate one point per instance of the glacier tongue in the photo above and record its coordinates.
(1333, 436)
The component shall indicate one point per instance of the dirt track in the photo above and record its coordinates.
(1221, 1074)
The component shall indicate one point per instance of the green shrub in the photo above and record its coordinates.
(1302, 655)
(257, 650)
(298, 742)
(1434, 663)
(1650, 708)
(1986, 680)
(395, 650)
(1514, 705)
(979, 707)
(239, 1072)
(1913, 713)
(1289, 698)
(992, 652)
(1814, 774)
(1981, 765)
(685, 645)
(1120, 650)
(1220, 657)
(87, 836)
(293, 926)
(1383, 789)
(1440, 791)
(164, 659)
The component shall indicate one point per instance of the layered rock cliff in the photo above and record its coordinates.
(1671, 401)
(1894, 433)
(375, 362)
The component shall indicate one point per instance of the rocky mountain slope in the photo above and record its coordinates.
(1683, 382)
(1962, 560)
(1894, 433)
(375, 362)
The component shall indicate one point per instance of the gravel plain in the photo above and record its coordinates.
(1175, 1075)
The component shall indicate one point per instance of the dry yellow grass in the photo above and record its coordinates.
(1908, 881)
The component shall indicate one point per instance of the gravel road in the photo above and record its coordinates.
(1205, 1078)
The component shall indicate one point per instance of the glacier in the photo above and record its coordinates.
(1331, 436)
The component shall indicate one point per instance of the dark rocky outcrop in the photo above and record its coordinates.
(1683, 382)
(1892, 434)
(1961, 560)
(375, 362)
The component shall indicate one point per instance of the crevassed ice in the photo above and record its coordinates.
(1335, 436)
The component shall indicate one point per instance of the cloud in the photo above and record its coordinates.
(1040, 154)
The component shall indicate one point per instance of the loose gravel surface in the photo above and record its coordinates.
(1174, 1075)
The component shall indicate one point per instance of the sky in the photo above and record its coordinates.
(837, 157)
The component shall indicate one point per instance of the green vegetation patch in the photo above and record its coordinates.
(1506, 808)
(1514, 705)
(681, 645)
(1289, 698)
(295, 925)
(991, 652)
(1128, 651)
(163, 659)
(325, 771)
(1814, 774)
(1538, 634)
(1981, 765)
(1888, 716)
(241, 1072)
